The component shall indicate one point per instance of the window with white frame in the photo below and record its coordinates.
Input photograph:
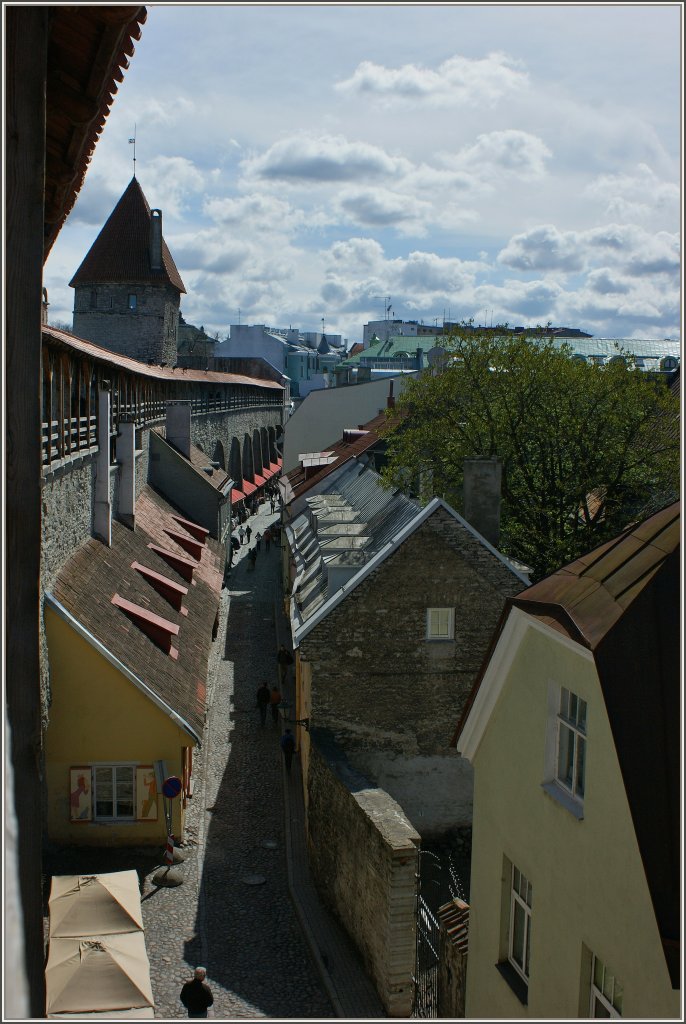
(440, 623)
(606, 992)
(519, 943)
(113, 791)
(571, 743)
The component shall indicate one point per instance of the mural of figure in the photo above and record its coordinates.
(79, 798)
(147, 784)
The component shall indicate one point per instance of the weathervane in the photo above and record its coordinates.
(132, 142)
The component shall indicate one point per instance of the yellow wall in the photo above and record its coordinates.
(588, 882)
(98, 715)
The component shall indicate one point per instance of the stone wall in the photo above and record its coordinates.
(148, 332)
(364, 860)
(452, 958)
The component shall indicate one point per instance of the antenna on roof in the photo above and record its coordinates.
(132, 142)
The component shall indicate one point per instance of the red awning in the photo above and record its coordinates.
(236, 495)
(248, 488)
(259, 480)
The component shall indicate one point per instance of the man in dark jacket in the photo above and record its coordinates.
(196, 995)
(263, 699)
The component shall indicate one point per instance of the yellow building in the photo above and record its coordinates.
(129, 630)
(573, 732)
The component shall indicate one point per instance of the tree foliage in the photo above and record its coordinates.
(583, 447)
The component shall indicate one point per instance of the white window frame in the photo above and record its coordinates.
(516, 900)
(597, 994)
(579, 739)
(556, 787)
(113, 766)
(449, 632)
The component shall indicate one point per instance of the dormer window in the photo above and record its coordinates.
(440, 624)
(133, 301)
(565, 749)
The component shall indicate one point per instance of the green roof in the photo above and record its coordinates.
(398, 346)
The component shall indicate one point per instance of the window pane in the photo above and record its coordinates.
(518, 925)
(599, 1010)
(581, 715)
(580, 765)
(103, 792)
(565, 757)
(124, 777)
(573, 703)
(598, 972)
(618, 999)
(608, 987)
(564, 703)
(528, 946)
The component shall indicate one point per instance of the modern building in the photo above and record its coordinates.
(307, 358)
(573, 730)
(127, 290)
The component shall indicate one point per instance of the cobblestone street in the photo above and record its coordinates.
(233, 912)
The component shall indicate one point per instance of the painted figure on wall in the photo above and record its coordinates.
(80, 795)
(146, 794)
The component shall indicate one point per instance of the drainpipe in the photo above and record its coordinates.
(102, 506)
(126, 458)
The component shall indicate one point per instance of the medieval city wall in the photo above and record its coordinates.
(364, 861)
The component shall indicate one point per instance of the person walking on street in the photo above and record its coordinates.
(241, 534)
(284, 659)
(274, 702)
(267, 539)
(288, 747)
(196, 995)
(258, 540)
(252, 558)
(248, 532)
(263, 699)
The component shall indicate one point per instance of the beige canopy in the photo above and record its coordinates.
(105, 904)
(99, 973)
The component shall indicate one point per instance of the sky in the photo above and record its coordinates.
(323, 165)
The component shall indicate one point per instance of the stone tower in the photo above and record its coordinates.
(127, 290)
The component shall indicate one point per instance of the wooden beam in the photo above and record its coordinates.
(26, 36)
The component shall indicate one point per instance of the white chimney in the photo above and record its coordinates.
(126, 458)
(178, 425)
(102, 505)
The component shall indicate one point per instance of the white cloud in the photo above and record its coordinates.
(510, 152)
(324, 159)
(543, 248)
(458, 81)
(382, 207)
(171, 181)
(634, 195)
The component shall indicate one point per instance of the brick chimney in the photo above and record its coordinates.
(156, 240)
(481, 497)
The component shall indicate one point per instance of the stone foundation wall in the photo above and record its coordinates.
(364, 860)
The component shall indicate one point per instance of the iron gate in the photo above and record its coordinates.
(438, 881)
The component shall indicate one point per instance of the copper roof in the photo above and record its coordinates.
(90, 579)
(104, 355)
(121, 252)
(590, 595)
(88, 51)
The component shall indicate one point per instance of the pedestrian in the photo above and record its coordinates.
(288, 747)
(272, 503)
(252, 558)
(274, 701)
(258, 540)
(248, 532)
(196, 995)
(263, 698)
(267, 539)
(284, 659)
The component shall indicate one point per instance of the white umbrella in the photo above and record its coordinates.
(102, 904)
(99, 973)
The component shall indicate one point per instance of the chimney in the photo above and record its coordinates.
(44, 307)
(102, 506)
(178, 426)
(390, 401)
(481, 497)
(126, 458)
(156, 240)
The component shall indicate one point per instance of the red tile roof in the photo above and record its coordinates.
(70, 342)
(88, 582)
(121, 252)
(297, 482)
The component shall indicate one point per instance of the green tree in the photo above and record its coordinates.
(583, 447)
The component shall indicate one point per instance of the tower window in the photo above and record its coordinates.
(132, 301)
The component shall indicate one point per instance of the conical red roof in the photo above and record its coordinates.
(121, 252)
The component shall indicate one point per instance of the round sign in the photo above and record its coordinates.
(171, 787)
